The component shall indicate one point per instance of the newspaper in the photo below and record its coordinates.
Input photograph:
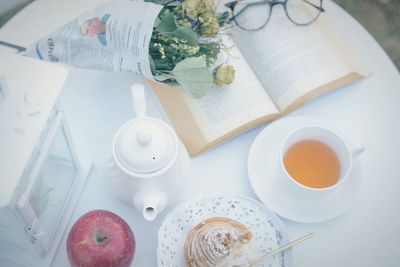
(114, 36)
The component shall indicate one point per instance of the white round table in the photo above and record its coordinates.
(368, 234)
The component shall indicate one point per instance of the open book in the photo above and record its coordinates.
(278, 68)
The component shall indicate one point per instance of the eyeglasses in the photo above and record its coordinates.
(253, 15)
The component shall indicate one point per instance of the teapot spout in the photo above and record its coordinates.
(150, 213)
(151, 204)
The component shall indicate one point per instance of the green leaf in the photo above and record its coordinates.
(171, 82)
(187, 34)
(157, 22)
(162, 64)
(162, 77)
(167, 24)
(171, 4)
(152, 65)
(194, 76)
(223, 18)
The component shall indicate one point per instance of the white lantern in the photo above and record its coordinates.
(40, 174)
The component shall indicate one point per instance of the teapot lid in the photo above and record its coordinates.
(145, 145)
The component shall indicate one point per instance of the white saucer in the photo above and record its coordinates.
(263, 174)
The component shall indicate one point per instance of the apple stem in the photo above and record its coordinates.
(100, 238)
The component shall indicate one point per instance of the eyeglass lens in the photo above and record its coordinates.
(255, 14)
(303, 12)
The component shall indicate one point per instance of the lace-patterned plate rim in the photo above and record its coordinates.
(268, 230)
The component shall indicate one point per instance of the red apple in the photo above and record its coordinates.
(100, 238)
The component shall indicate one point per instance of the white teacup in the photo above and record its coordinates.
(333, 140)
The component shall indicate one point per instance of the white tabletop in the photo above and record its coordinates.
(368, 234)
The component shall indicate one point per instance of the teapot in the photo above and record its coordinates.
(148, 161)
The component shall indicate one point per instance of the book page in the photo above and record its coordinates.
(222, 113)
(226, 108)
(296, 62)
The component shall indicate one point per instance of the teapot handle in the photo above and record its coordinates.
(138, 99)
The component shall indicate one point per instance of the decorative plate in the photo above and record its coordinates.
(267, 229)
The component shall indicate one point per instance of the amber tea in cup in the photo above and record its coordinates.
(312, 163)
(315, 158)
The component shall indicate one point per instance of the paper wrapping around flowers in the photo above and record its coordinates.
(114, 37)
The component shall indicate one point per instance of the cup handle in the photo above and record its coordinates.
(357, 151)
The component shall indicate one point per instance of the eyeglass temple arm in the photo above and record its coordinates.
(317, 7)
